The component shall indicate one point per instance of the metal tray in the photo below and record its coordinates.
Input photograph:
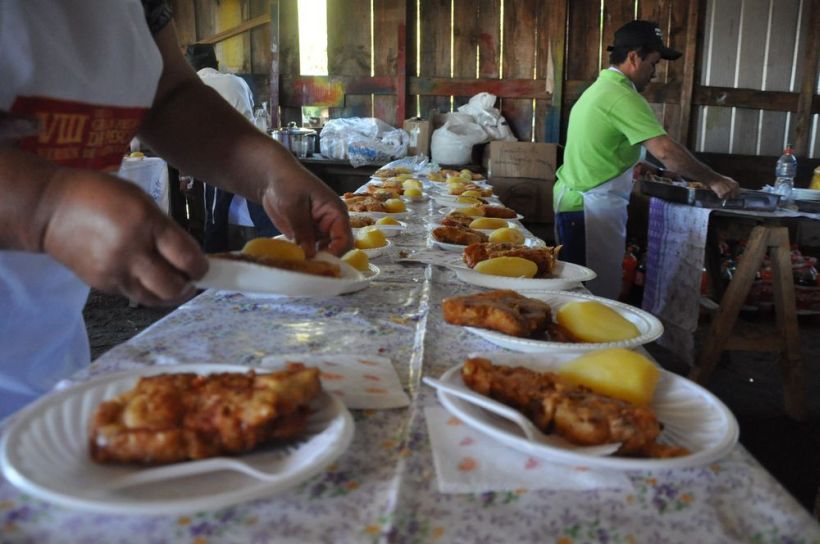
(704, 198)
(810, 206)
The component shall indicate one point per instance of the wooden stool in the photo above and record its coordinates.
(784, 340)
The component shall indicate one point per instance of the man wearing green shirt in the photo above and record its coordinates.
(608, 127)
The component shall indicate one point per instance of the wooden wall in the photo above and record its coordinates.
(536, 56)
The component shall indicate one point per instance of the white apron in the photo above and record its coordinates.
(88, 70)
(605, 215)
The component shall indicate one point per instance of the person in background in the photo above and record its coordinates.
(230, 220)
(77, 86)
(609, 128)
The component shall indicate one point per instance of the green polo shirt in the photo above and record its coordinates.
(606, 128)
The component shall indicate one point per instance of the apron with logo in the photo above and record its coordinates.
(87, 70)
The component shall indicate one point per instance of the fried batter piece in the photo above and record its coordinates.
(544, 257)
(178, 417)
(458, 235)
(317, 268)
(573, 412)
(501, 310)
(455, 219)
(498, 211)
(364, 204)
(359, 221)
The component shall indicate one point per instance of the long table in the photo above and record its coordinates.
(383, 488)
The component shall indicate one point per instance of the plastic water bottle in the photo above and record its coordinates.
(784, 174)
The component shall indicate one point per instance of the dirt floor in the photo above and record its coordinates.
(748, 383)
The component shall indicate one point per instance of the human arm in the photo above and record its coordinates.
(192, 127)
(677, 158)
(108, 232)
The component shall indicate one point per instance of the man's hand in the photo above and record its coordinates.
(308, 212)
(724, 187)
(113, 236)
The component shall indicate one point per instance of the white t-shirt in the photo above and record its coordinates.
(237, 93)
(88, 70)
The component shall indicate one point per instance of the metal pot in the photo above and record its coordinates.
(300, 141)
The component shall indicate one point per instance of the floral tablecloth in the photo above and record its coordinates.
(383, 489)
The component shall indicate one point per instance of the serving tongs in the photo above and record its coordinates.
(529, 429)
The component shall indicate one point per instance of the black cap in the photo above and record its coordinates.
(643, 34)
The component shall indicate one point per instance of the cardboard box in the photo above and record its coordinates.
(530, 197)
(520, 160)
(420, 132)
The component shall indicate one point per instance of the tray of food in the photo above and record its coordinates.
(696, 194)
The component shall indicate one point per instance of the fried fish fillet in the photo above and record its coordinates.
(456, 219)
(544, 257)
(458, 235)
(365, 204)
(573, 412)
(501, 310)
(317, 268)
(177, 417)
(498, 211)
(359, 221)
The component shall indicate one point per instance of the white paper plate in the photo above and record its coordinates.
(400, 215)
(568, 275)
(648, 325)
(45, 453)
(254, 278)
(423, 198)
(388, 230)
(692, 415)
(450, 201)
(378, 251)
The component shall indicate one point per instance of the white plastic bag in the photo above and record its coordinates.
(362, 140)
(489, 118)
(453, 143)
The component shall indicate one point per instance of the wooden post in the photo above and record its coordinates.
(785, 338)
(401, 71)
(274, 64)
(689, 61)
(802, 125)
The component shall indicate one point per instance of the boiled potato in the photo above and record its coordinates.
(411, 184)
(394, 205)
(591, 321)
(387, 221)
(273, 248)
(488, 223)
(514, 267)
(471, 211)
(413, 192)
(466, 174)
(370, 238)
(357, 259)
(507, 234)
(469, 200)
(473, 193)
(618, 373)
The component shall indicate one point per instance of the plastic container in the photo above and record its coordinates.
(785, 170)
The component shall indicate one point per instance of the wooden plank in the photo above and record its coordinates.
(205, 21)
(657, 93)
(185, 21)
(488, 37)
(348, 44)
(389, 46)
(552, 23)
(583, 38)
(512, 88)
(276, 44)
(260, 39)
(241, 28)
(616, 14)
(519, 62)
(802, 121)
(746, 98)
(435, 51)
(690, 44)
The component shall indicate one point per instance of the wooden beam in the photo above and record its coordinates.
(689, 62)
(802, 127)
(745, 98)
(656, 93)
(502, 88)
(244, 26)
(401, 70)
(274, 64)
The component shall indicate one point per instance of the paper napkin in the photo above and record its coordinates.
(360, 381)
(468, 461)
